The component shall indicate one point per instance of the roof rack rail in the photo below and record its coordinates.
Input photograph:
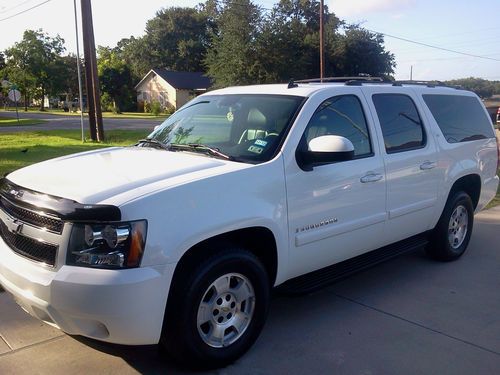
(425, 83)
(365, 78)
(360, 78)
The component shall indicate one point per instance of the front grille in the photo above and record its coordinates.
(29, 248)
(50, 223)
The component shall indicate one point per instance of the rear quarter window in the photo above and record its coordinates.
(460, 118)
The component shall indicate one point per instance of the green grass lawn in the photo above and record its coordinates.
(124, 115)
(18, 150)
(12, 121)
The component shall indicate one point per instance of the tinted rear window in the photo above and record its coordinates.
(400, 122)
(460, 118)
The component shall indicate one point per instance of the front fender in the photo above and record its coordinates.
(182, 216)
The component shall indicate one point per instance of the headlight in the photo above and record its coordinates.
(107, 245)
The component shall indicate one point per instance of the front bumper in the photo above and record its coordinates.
(118, 306)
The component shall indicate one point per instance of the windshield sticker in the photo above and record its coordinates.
(230, 116)
(255, 149)
(260, 142)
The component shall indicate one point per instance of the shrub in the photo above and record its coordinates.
(155, 107)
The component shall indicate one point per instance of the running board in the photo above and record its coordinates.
(326, 276)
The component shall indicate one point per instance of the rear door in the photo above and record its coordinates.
(410, 158)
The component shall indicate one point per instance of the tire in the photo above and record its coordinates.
(451, 236)
(217, 311)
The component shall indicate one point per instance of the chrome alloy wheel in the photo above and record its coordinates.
(226, 310)
(457, 228)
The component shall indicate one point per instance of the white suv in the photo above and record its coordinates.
(179, 239)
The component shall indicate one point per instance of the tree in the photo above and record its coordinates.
(248, 47)
(137, 55)
(38, 56)
(481, 87)
(289, 41)
(234, 57)
(115, 79)
(24, 81)
(69, 77)
(176, 39)
(2, 61)
(360, 51)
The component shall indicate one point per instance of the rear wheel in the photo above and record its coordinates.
(451, 236)
(218, 311)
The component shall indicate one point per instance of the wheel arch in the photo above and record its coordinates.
(259, 240)
(470, 184)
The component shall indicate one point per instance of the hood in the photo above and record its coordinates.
(95, 176)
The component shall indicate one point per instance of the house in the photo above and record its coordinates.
(171, 89)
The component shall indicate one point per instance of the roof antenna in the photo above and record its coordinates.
(292, 84)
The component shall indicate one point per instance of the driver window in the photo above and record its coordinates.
(344, 116)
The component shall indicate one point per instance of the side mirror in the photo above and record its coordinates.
(325, 150)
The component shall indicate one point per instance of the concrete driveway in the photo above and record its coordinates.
(408, 316)
(59, 122)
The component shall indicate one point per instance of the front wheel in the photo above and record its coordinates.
(451, 236)
(218, 311)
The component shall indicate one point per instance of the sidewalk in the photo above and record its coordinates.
(406, 316)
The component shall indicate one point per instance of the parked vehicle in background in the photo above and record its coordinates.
(179, 239)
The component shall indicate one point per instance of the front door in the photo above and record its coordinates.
(336, 211)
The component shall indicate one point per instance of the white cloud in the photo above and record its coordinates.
(348, 8)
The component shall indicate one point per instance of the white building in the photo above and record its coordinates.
(171, 89)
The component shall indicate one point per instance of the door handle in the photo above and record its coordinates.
(426, 165)
(371, 177)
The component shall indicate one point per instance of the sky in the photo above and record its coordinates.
(467, 26)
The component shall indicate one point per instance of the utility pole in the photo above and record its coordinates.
(92, 79)
(321, 42)
(80, 91)
(411, 72)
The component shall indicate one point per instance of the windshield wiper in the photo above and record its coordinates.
(153, 142)
(201, 147)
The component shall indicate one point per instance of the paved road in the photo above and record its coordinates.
(55, 122)
(408, 316)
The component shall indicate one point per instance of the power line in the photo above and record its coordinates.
(26, 10)
(469, 32)
(16, 6)
(432, 46)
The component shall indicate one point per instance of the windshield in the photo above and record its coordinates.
(244, 127)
